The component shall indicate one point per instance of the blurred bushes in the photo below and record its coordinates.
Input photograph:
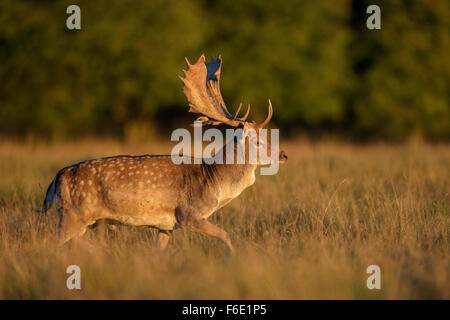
(403, 71)
(322, 68)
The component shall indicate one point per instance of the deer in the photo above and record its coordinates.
(153, 191)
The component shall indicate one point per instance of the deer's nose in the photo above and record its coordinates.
(283, 156)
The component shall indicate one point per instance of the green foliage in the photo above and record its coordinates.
(316, 60)
(404, 71)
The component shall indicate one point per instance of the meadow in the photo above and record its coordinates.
(309, 232)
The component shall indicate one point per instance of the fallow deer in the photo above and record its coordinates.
(151, 190)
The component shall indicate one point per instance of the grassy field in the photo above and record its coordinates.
(309, 232)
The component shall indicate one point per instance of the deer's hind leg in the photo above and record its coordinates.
(107, 226)
(71, 226)
(74, 218)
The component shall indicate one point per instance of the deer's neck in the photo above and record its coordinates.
(230, 179)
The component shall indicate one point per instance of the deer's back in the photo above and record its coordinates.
(135, 190)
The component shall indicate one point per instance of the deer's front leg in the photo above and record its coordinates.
(163, 239)
(206, 227)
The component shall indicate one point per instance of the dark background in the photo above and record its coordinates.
(325, 72)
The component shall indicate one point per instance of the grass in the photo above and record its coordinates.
(309, 232)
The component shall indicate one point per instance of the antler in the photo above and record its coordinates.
(201, 87)
(265, 122)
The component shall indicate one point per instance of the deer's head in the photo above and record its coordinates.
(201, 87)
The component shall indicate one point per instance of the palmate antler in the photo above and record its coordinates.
(201, 87)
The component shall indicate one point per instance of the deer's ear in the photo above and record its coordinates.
(246, 126)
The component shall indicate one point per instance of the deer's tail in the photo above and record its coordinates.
(50, 196)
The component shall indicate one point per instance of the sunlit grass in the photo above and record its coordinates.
(309, 232)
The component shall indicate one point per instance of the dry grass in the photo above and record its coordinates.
(308, 232)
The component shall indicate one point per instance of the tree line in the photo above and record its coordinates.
(323, 69)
